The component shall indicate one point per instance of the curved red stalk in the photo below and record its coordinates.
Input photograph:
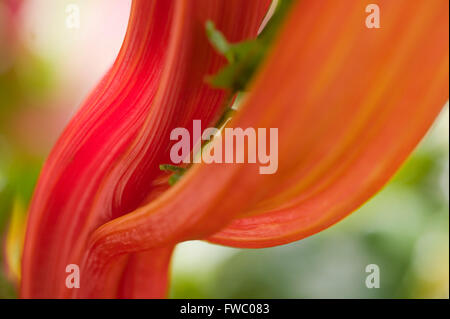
(398, 80)
(105, 162)
(351, 103)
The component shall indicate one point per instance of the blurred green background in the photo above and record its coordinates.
(47, 68)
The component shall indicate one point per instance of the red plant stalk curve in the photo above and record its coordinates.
(350, 104)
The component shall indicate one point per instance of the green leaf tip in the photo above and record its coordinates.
(176, 170)
(244, 58)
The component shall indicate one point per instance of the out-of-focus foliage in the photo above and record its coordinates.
(25, 81)
(19, 168)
